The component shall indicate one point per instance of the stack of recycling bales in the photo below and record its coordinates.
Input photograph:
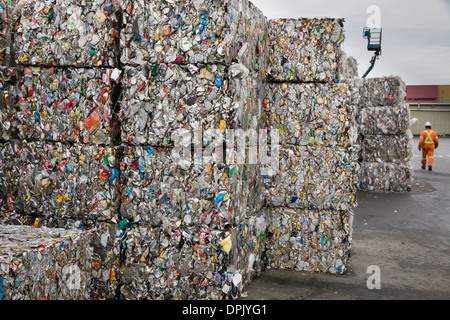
(386, 140)
(310, 180)
(305, 50)
(135, 126)
(68, 33)
(57, 115)
(59, 166)
(193, 72)
(187, 223)
(28, 253)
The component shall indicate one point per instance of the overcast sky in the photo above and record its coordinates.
(416, 34)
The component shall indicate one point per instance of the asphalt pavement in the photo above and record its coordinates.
(402, 239)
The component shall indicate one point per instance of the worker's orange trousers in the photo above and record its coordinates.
(427, 151)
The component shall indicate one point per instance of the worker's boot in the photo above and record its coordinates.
(430, 168)
(423, 167)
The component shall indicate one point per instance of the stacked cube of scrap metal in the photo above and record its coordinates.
(310, 240)
(44, 263)
(66, 33)
(197, 32)
(6, 34)
(57, 184)
(305, 49)
(59, 104)
(313, 114)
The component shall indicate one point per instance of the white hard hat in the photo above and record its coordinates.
(427, 124)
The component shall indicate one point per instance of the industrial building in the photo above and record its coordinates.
(429, 103)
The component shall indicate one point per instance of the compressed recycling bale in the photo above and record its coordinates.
(313, 177)
(242, 152)
(134, 33)
(235, 164)
(246, 118)
(173, 98)
(169, 261)
(387, 148)
(194, 32)
(309, 240)
(312, 114)
(44, 263)
(382, 91)
(160, 101)
(158, 184)
(252, 40)
(249, 44)
(354, 85)
(152, 184)
(66, 33)
(176, 261)
(385, 176)
(60, 104)
(305, 49)
(384, 120)
(62, 185)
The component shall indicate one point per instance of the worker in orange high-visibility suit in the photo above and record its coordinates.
(428, 141)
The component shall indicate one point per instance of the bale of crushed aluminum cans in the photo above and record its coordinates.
(66, 33)
(58, 185)
(157, 102)
(153, 184)
(312, 177)
(305, 49)
(312, 114)
(153, 108)
(193, 32)
(309, 240)
(60, 104)
(382, 91)
(44, 264)
(172, 260)
(387, 148)
(384, 120)
(159, 184)
(385, 176)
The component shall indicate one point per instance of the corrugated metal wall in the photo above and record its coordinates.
(422, 93)
(430, 103)
(444, 94)
(437, 114)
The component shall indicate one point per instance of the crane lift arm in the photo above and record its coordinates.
(372, 63)
(373, 37)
